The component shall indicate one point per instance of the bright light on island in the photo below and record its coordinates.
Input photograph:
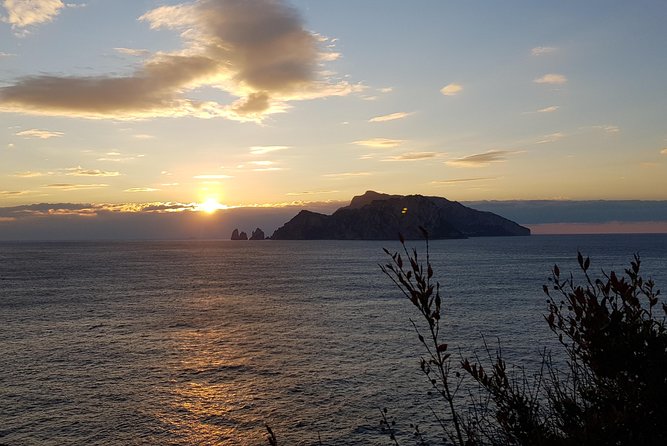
(210, 206)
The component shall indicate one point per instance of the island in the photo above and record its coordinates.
(378, 216)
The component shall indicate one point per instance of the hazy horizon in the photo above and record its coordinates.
(71, 221)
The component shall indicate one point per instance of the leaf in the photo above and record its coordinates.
(442, 348)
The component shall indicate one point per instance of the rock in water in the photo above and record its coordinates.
(257, 234)
(235, 234)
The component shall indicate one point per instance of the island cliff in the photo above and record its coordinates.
(376, 216)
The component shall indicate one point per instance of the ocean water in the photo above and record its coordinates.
(202, 342)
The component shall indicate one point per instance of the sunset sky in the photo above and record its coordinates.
(247, 102)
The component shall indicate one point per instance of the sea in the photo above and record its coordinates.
(207, 342)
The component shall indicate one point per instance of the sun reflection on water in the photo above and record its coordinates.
(207, 405)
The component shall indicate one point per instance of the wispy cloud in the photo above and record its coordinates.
(480, 159)
(611, 129)
(212, 177)
(390, 117)
(265, 166)
(312, 192)
(14, 192)
(412, 156)
(267, 169)
(143, 136)
(552, 137)
(543, 50)
(6, 54)
(256, 50)
(118, 157)
(81, 172)
(24, 13)
(451, 89)
(551, 79)
(263, 150)
(32, 174)
(344, 175)
(379, 143)
(462, 180)
(550, 109)
(664, 151)
(141, 189)
(71, 187)
(41, 134)
(133, 52)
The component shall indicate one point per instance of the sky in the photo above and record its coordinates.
(165, 105)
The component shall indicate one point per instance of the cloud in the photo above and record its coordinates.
(551, 79)
(141, 189)
(263, 150)
(32, 174)
(390, 117)
(542, 50)
(256, 50)
(611, 129)
(41, 134)
(451, 89)
(143, 136)
(264, 166)
(70, 187)
(212, 177)
(664, 151)
(6, 54)
(412, 156)
(379, 143)
(14, 192)
(81, 172)
(480, 159)
(550, 109)
(118, 157)
(344, 175)
(136, 52)
(552, 137)
(24, 13)
(462, 180)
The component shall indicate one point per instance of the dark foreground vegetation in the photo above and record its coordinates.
(607, 385)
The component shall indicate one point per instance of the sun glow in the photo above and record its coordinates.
(210, 206)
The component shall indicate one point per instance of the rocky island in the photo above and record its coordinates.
(377, 216)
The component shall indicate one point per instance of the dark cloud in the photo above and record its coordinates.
(463, 180)
(257, 50)
(480, 159)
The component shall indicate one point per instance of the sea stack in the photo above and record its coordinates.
(239, 236)
(257, 234)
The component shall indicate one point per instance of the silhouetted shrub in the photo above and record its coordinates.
(611, 389)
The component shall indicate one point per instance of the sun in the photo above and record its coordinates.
(210, 206)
